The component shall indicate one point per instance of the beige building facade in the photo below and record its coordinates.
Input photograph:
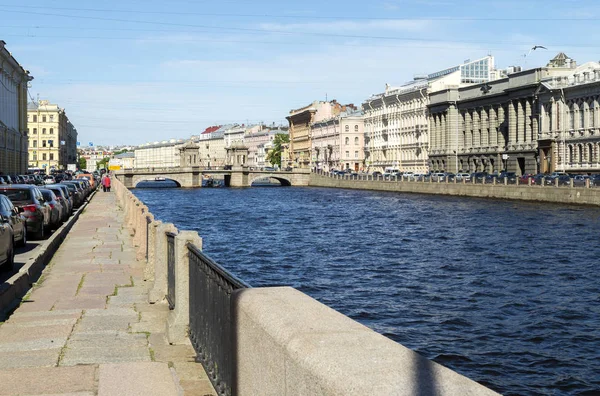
(13, 114)
(492, 126)
(338, 142)
(569, 139)
(52, 137)
(300, 123)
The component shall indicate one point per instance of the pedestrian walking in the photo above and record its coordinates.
(106, 183)
(102, 182)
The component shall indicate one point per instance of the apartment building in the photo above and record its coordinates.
(13, 113)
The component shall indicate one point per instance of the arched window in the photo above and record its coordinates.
(571, 116)
(580, 153)
(43, 131)
(581, 116)
(347, 138)
(51, 131)
(570, 160)
(590, 153)
(355, 128)
(591, 114)
(356, 141)
(347, 128)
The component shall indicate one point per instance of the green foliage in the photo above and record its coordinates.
(103, 164)
(274, 156)
(82, 163)
(120, 152)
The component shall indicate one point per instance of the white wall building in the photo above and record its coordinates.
(396, 121)
(163, 154)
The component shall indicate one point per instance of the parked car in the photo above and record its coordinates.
(7, 246)
(580, 180)
(510, 177)
(460, 176)
(6, 179)
(595, 180)
(77, 191)
(56, 209)
(479, 177)
(90, 178)
(526, 178)
(36, 210)
(377, 174)
(16, 220)
(63, 197)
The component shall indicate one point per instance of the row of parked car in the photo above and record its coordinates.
(548, 179)
(30, 210)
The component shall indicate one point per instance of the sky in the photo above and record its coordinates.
(135, 71)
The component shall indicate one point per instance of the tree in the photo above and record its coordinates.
(103, 164)
(82, 163)
(274, 156)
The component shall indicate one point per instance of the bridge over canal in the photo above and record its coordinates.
(192, 176)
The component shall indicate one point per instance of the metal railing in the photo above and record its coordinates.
(211, 327)
(171, 269)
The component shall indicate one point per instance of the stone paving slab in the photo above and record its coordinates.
(47, 380)
(102, 354)
(89, 312)
(32, 358)
(136, 380)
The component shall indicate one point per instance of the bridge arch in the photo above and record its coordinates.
(147, 178)
(284, 180)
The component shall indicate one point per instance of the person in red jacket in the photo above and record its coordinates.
(106, 183)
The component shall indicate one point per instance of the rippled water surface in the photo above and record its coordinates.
(505, 293)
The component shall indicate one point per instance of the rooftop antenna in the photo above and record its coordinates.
(325, 96)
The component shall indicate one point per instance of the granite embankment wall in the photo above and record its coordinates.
(554, 194)
(285, 342)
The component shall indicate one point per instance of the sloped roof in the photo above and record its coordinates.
(211, 129)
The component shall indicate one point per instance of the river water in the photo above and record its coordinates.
(503, 292)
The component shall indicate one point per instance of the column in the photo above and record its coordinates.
(527, 123)
(512, 122)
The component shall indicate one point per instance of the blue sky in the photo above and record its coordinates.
(136, 71)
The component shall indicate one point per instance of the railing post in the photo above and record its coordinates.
(179, 317)
(159, 289)
(587, 183)
(152, 250)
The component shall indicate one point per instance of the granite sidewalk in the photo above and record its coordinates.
(86, 328)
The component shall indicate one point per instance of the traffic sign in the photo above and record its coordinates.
(91, 144)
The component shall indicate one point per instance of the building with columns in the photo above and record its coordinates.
(396, 121)
(569, 139)
(491, 126)
(13, 114)
(52, 137)
(300, 122)
(338, 142)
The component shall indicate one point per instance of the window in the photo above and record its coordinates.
(356, 154)
(43, 131)
(356, 141)
(51, 143)
(347, 139)
(34, 156)
(51, 156)
(347, 128)
(44, 157)
(591, 115)
(43, 118)
(35, 131)
(51, 131)
(43, 143)
(51, 118)
(35, 143)
(347, 154)
(581, 116)
(34, 118)
(355, 128)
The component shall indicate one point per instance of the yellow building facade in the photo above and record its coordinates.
(52, 137)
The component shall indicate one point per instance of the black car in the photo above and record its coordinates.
(15, 219)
